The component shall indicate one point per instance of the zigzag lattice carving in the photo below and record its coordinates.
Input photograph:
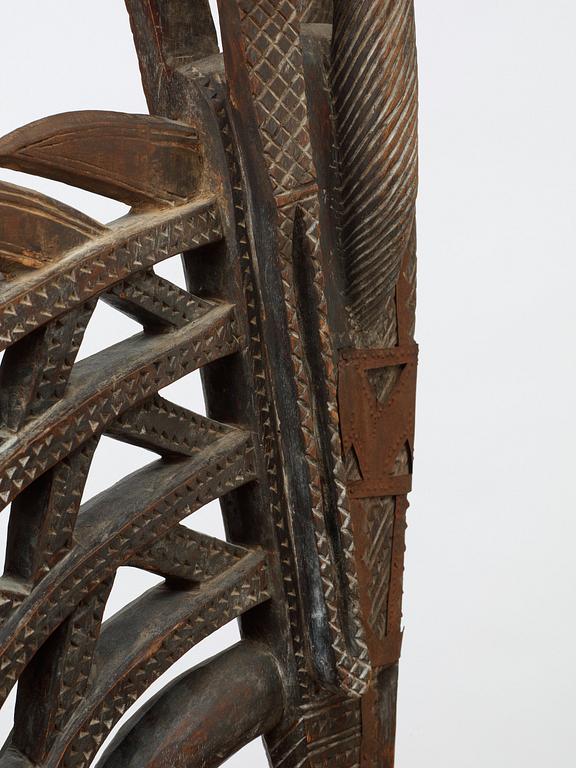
(283, 171)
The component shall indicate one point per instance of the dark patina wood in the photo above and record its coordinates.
(284, 171)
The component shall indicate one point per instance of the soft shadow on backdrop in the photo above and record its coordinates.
(487, 673)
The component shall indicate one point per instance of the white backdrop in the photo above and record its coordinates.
(487, 674)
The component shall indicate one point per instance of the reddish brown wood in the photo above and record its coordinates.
(284, 170)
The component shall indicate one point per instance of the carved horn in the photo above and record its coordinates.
(375, 94)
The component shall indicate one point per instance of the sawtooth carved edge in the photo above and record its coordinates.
(284, 170)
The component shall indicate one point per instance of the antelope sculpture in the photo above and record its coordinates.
(284, 172)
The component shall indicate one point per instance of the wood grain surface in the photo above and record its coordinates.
(284, 171)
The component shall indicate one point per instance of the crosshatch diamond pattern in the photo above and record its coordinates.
(272, 34)
(298, 229)
(248, 172)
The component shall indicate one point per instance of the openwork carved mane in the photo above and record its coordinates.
(284, 170)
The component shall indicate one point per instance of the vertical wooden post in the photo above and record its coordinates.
(374, 82)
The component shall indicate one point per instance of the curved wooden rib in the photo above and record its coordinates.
(136, 159)
(37, 229)
(101, 387)
(111, 528)
(43, 516)
(146, 638)
(56, 679)
(34, 372)
(134, 244)
(205, 715)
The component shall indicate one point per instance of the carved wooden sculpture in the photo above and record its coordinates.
(284, 171)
